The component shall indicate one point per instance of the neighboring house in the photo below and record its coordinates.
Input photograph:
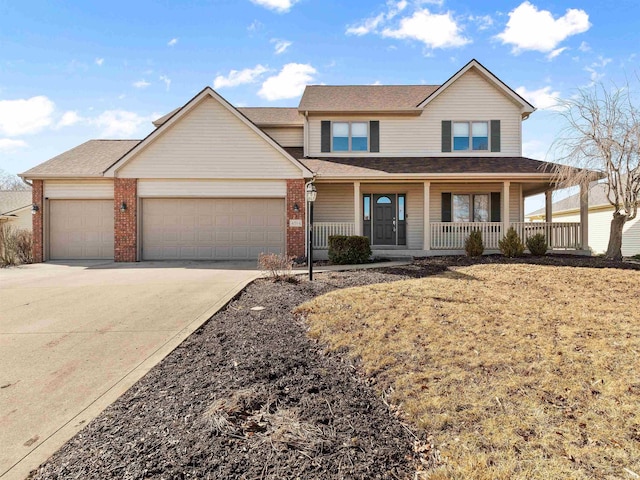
(600, 215)
(15, 209)
(413, 167)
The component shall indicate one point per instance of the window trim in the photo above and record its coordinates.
(471, 206)
(350, 136)
(470, 138)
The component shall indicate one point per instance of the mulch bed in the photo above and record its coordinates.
(249, 396)
(246, 396)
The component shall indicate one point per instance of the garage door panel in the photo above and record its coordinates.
(211, 229)
(80, 229)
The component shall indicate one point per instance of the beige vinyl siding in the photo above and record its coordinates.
(287, 136)
(212, 188)
(80, 189)
(599, 227)
(334, 203)
(210, 142)
(22, 221)
(470, 98)
(414, 208)
(437, 189)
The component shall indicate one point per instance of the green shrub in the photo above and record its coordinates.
(473, 244)
(349, 250)
(511, 245)
(537, 244)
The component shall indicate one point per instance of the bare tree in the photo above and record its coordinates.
(12, 182)
(602, 137)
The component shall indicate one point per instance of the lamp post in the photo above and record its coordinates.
(311, 197)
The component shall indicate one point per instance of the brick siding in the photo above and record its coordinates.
(295, 235)
(37, 193)
(125, 223)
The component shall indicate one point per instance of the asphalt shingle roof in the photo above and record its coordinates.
(11, 201)
(597, 197)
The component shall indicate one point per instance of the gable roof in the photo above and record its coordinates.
(597, 198)
(261, 116)
(527, 108)
(206, 92)
(11, 201)
(364, 98)
(89, 159)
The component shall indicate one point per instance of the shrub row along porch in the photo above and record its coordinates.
(393, 216)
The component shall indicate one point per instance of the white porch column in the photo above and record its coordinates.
(357, 209)
(426, 243)
(505, 207)
(584, 215)
(548, 209)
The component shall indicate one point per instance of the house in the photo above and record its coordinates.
(413, 167)
(15, 209)
(600, 215)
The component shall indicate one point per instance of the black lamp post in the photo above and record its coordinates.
(311, 197)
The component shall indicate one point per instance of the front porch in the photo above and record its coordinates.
(393, 217)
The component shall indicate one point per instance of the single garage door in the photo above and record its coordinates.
(212, 228)
(80, 229)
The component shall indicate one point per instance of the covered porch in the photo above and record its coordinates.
(429, 218)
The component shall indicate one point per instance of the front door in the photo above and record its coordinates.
(384, 220)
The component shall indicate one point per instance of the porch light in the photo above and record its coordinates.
(311, 197)
(34, 209)
(311, 193)
(296, 207)
(123, 207)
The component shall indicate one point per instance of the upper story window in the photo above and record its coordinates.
(470, 136)
(350, 136)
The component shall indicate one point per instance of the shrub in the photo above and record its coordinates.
(16, 246)
(349, 250)
(473, 245)
(537, 244)
(511, 245)
(278, 266)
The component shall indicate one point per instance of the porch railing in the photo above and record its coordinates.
(323, 230)
(451, 236)
(559, 235)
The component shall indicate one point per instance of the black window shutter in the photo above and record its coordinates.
(446, 207)
(446, 135)
(495, 207)
(495, 135)
(325, 136)
(374, 132)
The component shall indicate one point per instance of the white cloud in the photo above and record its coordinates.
(166, 80)
(554, 53)
(99, 61)
(531, 29)
(433, 29)
(24, 116)
(584, 47)
(281, 45)
(119, 123)
(68, 119)
(239, 77)
(280, 6)
(9, 144)
(543, 99)
(596, 69)
(371, 24)
(288, 83)
(482, 21)
(141, 84)
(172, 42)
(254, 26)
(534, 149)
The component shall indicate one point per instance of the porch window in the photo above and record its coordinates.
(463, 211)
(470, 136)
(366, 205)
(350, 136)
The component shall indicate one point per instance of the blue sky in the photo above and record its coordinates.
(72, 71)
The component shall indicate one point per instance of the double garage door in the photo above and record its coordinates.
(172, 229)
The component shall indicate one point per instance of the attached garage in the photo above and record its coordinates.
(80, 229)
(212, 228)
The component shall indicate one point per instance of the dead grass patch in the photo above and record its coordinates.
(514, 371)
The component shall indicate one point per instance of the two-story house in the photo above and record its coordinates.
(413, 167)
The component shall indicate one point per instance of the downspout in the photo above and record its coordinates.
(306, 133)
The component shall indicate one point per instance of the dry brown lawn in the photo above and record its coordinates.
(513, 371)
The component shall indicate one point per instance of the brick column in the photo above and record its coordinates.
(295, 235)
(37, 192)
(125, 190)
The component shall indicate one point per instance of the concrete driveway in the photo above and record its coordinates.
(74, 337)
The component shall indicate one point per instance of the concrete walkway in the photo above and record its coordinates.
(74, 337)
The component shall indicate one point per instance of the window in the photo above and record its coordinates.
(367, 208)
(462, 211)
(400, 208)
(470, 136)
(352, 137)
(382, 200)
